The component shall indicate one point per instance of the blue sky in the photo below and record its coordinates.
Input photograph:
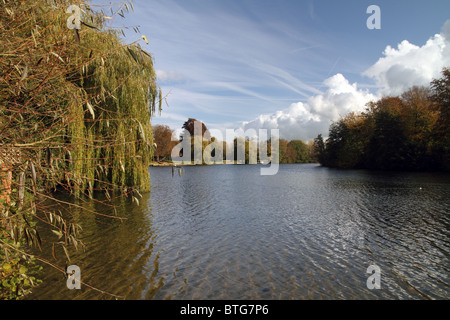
(291, 64)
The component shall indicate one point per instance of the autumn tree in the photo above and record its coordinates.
(388, 145)
(287, 152)
(441, 133)
(162, 137)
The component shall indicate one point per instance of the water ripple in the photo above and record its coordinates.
(225, 232)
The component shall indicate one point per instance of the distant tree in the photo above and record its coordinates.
(388, 145)
(287, 153)
(162, 137)
(358, 132)
(335, 143)
(189, 126)
(208, 148)
(419, 118)
(419, 113)
(319, 150)
(441, 133)
(311, 152)
(246, 145)
(301, 151)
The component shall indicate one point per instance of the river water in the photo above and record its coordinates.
(226, 232)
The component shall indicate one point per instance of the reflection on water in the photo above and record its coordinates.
(225, 232)
(118, 258)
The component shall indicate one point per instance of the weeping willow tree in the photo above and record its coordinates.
(75, 114)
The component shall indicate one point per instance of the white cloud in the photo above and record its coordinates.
(306, 120)
(410, 65)
(340, 98)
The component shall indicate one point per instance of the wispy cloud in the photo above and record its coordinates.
(286, 79)
(170, 77)
(275, 63)
(220, 53)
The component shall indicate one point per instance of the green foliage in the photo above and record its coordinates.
(441, 133)
(301, 150)
(17, 271)
(386, 149)
(87, 104)
(287, 153)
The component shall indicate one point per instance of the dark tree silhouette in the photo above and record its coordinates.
(189, 126)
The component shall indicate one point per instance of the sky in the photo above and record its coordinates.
(292, 65)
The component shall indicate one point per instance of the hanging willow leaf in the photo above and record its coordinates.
(66, 252)
(133, 54)
(91, 109)
(90, 25)
(142, 132)
(74, 242)
(34, 39)
(21, 187)
(37, 239)
(138, 193)
(53, 251)
(24, 73)
(56, 55)
(33, 176)
(108, 196)
(146, 53)
(58, 233)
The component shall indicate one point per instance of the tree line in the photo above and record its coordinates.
(405, 132)
(294, 151)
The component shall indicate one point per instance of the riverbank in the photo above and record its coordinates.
(172, 164)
